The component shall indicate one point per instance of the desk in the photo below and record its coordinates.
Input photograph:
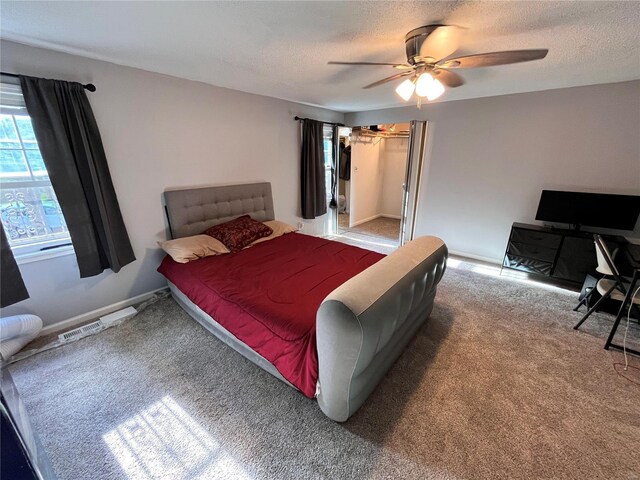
(627, 300)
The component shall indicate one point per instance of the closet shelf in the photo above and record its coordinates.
(364, 133)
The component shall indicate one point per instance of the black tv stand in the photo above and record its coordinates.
(565, 256)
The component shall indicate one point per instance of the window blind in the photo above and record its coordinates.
(11, 99)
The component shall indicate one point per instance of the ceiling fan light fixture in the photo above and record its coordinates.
(435, 90)
(406, 89)
(422, 84)
(429, 87)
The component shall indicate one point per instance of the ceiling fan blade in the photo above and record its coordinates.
(389, 79)
(396, 65)
(493, 58)
(441, 42)
(450, 79)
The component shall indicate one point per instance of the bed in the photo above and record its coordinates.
(324, 317)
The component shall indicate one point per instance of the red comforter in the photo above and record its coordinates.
(267, 296)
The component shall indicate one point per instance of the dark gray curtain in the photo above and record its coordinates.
(72, 151)
(13, 289)
(313, 189)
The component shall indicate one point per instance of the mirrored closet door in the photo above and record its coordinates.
(378, 169)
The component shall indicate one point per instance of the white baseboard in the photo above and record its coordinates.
(476, 257)
(100, 312)
(373, 217)
(365, 220)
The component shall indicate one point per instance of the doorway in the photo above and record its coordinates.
(378, 176)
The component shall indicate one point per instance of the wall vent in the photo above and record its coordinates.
(80, 332)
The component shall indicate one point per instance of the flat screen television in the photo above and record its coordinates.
(602, 210)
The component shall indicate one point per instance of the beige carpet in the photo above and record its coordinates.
(495, 385)
(382, 227)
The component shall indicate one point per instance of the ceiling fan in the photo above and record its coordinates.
(428, 70)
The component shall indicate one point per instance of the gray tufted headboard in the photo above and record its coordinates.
(191, 211)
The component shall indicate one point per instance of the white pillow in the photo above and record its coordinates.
(185, 249)
(279, 228)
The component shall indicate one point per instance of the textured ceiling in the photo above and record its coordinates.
(281, 49)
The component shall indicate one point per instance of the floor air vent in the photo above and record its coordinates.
(80, 332)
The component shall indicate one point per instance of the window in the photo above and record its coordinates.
(29, 210)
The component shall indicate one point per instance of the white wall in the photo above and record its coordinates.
(491, 157)
(377, 175)
(393, 155)
(159, 132)
(366, 179)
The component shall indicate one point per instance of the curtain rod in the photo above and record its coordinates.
(89, 86)
(299, 119)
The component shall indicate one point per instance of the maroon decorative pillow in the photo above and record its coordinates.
(239, 232)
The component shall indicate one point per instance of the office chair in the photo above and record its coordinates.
(615, 287)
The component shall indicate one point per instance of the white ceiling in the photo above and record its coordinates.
(281, 49)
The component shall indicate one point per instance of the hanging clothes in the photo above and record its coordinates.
(345, 161)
